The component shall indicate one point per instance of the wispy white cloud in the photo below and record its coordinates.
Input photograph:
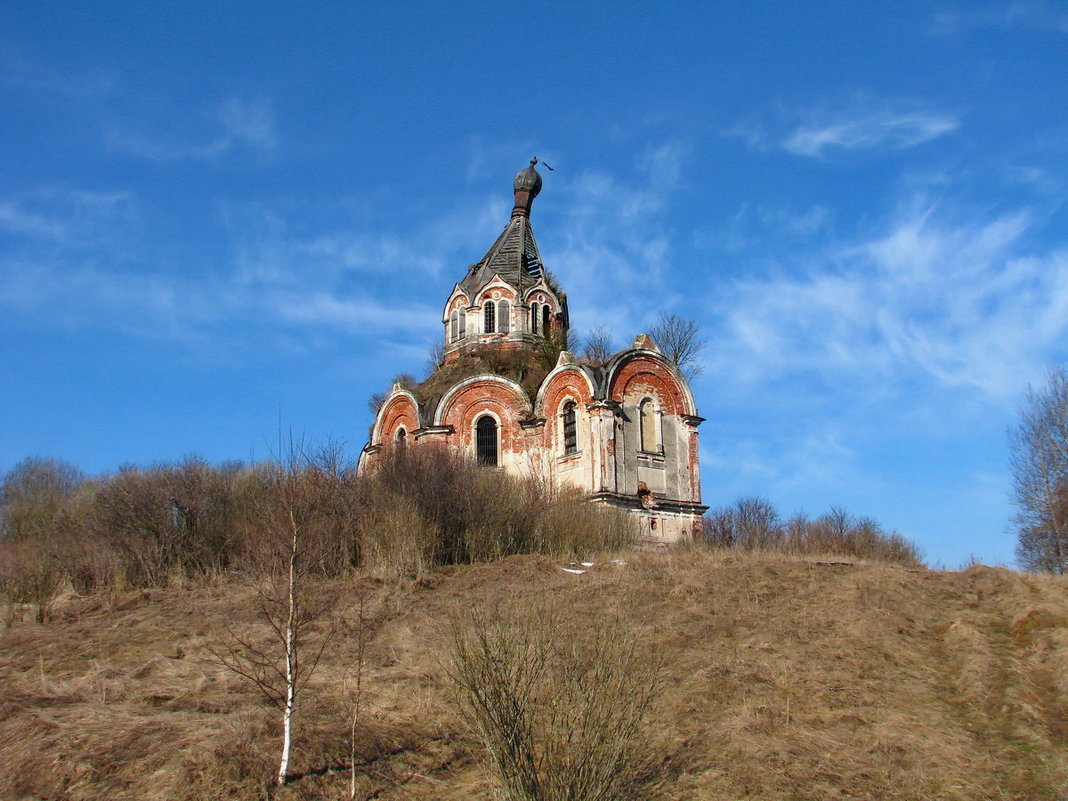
(1019, 14)
(246, 125)
(63, 215)
(354, 314)
(616, 226)
(959, 301)
(865, 129)
(860, 122)
(21, 71)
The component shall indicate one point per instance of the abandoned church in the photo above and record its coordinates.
(508, 394)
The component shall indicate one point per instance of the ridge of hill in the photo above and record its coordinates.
(784, 678)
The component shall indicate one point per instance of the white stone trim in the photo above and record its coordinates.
(621, 359)
(376, 431)
(562, 368)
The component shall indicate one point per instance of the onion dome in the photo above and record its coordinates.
(528, 180)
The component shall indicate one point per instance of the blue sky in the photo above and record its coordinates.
(214, 217)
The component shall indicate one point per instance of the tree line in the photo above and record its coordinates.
(150, 526)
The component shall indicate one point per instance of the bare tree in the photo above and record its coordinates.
(290, 517)
(374, 403)
(750, 523)
(680, 342)
(597, 346)
(435, 356)
(1039, 460)
(33, 495)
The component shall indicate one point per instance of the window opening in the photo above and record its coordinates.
(503, 316)
(402, 438)
(647, 418)
(489, 314)
(570, 434)
(545, 320)
(463, 323)
(534, 318)
(486, 441)
(454, 329)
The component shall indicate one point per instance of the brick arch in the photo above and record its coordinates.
(646, 375)
(568, 381)
(507, 293)
(502, 398)
(399, 410)
(458, 296)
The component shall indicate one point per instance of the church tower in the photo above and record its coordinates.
(509, 395)
(506, 301)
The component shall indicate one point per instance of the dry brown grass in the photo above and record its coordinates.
(784, 679)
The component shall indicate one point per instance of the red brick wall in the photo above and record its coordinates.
(472, 400)
(569, 383)
(643, 375)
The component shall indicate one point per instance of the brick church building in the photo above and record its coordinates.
(510, 396)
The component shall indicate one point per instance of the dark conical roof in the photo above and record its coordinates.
(514, 257)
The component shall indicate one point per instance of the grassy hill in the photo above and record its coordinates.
(783, 678)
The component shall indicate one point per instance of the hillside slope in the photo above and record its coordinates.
(784, 679)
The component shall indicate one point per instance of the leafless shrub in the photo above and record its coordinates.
(46, 541)
(168, 519)
(474, 514)
(34, 495)
(572, 526)
(560, 710)
(397, 541)
(752, 523)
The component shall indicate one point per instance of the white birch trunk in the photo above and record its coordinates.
(291, 661)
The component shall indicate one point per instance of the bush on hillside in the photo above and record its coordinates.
(752, 523)
(145, 527)
(560, 709)
(469, 514)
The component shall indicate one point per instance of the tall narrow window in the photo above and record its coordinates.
(454, 329)
(463, 323)
(647, 417)
(535, 317)
(504, 316)
(486, 441)
(570, 434)
(545, 320)
(489, 315)
(402, 438)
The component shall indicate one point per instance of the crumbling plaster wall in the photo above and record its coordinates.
(609, 462)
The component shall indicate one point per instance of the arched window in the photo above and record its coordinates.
(570, 433)
(545, 329)
(454, 328)
(489, 317)
(647, 417)
(535, 317)
(503, 316)
(402, 438)
(486, 441)
(463, 322)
